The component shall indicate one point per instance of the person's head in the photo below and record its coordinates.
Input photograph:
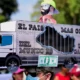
(44, 74)
(41, 74)
(75, 72)
(18, 75)
(66, 67)
(48, 7)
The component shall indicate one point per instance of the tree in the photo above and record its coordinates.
(36, 14)
(69, 11)
(7, 8)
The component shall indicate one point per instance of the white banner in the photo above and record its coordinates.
(39, 39)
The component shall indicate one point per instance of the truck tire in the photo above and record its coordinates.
(12, 61)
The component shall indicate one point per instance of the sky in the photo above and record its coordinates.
(25, 8)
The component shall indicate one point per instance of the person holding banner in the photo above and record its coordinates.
(48, 8)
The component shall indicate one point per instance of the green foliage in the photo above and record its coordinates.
(36, 14)
(2, 18)
(8, 7)
(69, 11)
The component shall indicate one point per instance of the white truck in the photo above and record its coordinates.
(21, 42)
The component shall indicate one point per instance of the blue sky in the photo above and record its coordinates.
(25, 8)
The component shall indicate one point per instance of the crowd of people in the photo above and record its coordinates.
(67, 72)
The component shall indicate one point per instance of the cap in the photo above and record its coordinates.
(67, 64)
(52, 3)
(12, 69)
(19, 70)
(75, 70)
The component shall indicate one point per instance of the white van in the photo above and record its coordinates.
(21, 42)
